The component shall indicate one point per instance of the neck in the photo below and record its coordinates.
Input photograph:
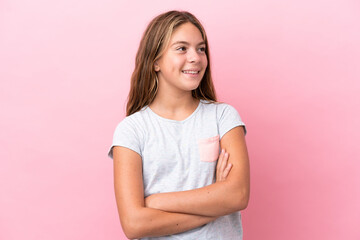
(173, 103)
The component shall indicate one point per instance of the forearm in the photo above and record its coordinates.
(218, 199)
(148, 222)
(224, 196)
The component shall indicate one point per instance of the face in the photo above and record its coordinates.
(184, 61)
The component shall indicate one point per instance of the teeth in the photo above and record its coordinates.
(193, 72)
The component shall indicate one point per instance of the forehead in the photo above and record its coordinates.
(186, 32)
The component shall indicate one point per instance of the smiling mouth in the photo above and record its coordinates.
(190, 72)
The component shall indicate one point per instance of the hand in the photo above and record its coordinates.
(223, 167)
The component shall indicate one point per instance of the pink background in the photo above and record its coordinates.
(291, 68)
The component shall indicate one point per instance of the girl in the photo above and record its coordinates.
(171, 179)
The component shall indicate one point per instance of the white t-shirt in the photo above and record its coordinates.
(182, 155)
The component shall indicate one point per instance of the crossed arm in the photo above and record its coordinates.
(170, 213)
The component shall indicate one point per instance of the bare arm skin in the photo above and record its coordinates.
(222, 197)
(137, 220)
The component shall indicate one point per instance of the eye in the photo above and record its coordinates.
(202, 49)
(181, 48)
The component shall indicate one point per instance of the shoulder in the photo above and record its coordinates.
(129, 133)
(227, 116)
(220, 108)
(132, 124)
(133, 119)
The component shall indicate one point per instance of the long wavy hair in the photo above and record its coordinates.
(144, 82)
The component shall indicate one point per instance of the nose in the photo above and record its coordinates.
(193, 56)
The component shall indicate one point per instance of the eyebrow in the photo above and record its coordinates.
(186, 43)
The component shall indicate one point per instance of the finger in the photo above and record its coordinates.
(222, 166)
(220, 160)
(224, 162)
(218, 166)
(226, 171)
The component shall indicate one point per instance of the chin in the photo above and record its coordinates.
(193, 87)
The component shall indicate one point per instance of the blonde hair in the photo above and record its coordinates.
(144, 82)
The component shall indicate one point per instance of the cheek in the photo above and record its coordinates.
(205, 61)
(177, 64)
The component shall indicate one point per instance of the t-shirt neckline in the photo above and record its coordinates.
(172, 120)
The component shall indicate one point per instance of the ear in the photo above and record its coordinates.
(156, 67)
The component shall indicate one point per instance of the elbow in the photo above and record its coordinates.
(244, 203)
(129, 230)
(241, 200)
(132, 228)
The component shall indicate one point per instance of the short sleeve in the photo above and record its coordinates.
(228, 118)
(125, 135)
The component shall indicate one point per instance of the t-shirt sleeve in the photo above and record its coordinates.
(228, 119)
(125, 135)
